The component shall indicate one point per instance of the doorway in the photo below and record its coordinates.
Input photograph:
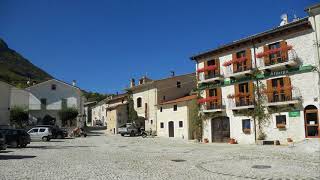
(311, 120)
(171, 128)
(220, 129)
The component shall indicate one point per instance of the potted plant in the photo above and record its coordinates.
(247, 131)
(206, 140)
(281, 126)
(232, 141)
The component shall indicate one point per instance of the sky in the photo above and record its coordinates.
(102, 44)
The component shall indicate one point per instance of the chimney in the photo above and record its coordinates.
(284, 19)
(172, 73)
(74, 83)
(132, 83)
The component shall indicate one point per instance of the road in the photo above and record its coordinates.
(114, 157)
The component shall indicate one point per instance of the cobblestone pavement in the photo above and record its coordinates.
(114, 157)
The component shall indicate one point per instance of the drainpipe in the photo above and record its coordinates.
(254, 99)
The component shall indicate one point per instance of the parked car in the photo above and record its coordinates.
(57, 133)
(99, 123)
(3, 145)
(40, 133)
(16, 137)
(128, 129)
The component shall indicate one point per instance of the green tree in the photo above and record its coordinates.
(19, 117)
(67, 115)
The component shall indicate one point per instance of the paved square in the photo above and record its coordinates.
(114, 157)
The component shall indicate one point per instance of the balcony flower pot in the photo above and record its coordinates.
(206, 140)
(232, 141)
(281, 126)
(289, 140)
(247, 131)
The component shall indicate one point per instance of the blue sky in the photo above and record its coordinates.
(102, 44)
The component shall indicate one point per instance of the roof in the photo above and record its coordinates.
(301, 22)
(182, 99)
(312, 7)
(114, 98)
(55, 80)
(159, 80)
(88, 103)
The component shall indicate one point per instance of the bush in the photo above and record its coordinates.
(67, 115)
(19, 117)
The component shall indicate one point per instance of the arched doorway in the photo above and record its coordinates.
(171, 128)
(311, 121)
(220, 129)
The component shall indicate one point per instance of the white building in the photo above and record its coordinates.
(174, 118)
(49, 97)
(286, 58)
(148, 93)
(11, 97)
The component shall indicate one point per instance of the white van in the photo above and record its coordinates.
(40, 133)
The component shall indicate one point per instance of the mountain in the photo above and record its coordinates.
(17, 70)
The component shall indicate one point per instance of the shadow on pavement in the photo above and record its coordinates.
(5, 151)
(57, 147)
(7, 157)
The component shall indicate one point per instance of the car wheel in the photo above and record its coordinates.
(45, 138)
(144, 135)
(23, 145)
(59, 136)
(132, 133)
(122, 134)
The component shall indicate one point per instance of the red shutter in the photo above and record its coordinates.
(269, 90)
(251, 92)
(284, 52)
(236, 89)
(266, 58)
(234, 56)
(287, 86)
(205, 66)
(249, 58)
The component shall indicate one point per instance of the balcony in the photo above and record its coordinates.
(242, 103)
(217, 106)
(279, 62)
(280, 99)
(241, 71)
(210, 77)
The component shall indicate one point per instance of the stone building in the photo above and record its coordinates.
(147, 94)
(281, 65)
(174, 118)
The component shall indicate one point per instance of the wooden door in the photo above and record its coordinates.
(220, 128)
(171, 128)
(311, 118)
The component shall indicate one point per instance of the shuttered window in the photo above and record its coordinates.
(279, 89)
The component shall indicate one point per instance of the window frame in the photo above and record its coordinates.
(178, 84)
(175, 107)
(180, 124)
(161, 125)
(139, 102)
(53, 87)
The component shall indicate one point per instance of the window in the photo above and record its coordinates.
(53, 87)
(180, 124)
(151, 121)
(34, 131)
(42, 130)
(246, 126)
(160, 109)
(211, 62)
(139, 102)
(275, 57)
(43, 103)
(161, 125)
(141, 81)
(242, 66)
(178, 84)
(278, 91)
(213, 92)
(64, 103)
(175, 107)
(281, 120)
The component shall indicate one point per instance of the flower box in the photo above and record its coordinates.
(281, 126)
(247, 131)
(272, 51)
(208, 68)
(232, 141)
